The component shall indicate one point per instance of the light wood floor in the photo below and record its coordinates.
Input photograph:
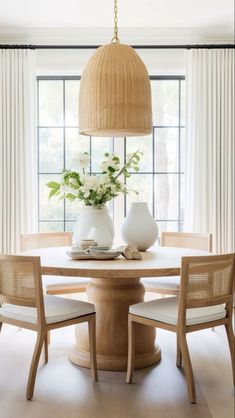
(66, 391)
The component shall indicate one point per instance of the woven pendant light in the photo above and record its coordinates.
(115, 93)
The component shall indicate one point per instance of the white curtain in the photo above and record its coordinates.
(210, 146)
(17, 146)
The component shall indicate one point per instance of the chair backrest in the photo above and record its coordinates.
(21, 282)
(187, 240)
(45, 240)
(206, 281)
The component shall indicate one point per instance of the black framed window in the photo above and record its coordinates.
(160, 180)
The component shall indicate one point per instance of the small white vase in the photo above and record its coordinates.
(139, 227)
(91, 217)
(101, 235)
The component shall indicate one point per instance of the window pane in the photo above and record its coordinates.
(70, 226)
(74, 144)
(143, 144)
(182, 149)
(58, 116)
(143, 184)
(50, 150)
(164, 226)
(99, 146)
(71, 102)
(50, 102)
(51, 226)
(72, 209)
(165, 102)
(53, 208)
(166, 149)
(182, 185)
(166, 196)
(182, 103)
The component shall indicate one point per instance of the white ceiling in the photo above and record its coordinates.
(132, 13)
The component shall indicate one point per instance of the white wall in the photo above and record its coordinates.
(72, 62)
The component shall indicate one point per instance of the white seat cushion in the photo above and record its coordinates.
(64, 282)
(56, 309)
(161, 283)
(166, 310)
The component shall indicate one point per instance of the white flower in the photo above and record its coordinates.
(104, 179)
(90, 182)
(113, 188)
(83, 160)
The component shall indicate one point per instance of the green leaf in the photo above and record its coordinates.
(53, 185)
(52, 192)
(111, 169)
(70, 196)
(106, 154)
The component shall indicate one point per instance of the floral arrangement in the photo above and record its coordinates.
(95, 190)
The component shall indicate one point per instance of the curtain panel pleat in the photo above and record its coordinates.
(210, 146)
(18, 195)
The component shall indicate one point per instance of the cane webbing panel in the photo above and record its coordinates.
(17, 280)
(209, 280)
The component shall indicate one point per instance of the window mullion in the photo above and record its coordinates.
(119, 201)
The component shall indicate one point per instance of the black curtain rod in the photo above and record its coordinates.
(196, 46)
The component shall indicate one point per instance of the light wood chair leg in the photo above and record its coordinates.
(92, 339)
(229, 331)
(187, 368)
(131, 350)
(48, 337)
(46, 347)
(34, 366)
(178, 352)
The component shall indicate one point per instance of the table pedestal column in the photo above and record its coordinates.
(112, 298)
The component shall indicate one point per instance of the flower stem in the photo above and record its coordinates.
(126, 165)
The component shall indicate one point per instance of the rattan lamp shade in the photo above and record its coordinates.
(115, 94)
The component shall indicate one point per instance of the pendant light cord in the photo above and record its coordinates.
(115, 39)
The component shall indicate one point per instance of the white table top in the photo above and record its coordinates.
(159, 261)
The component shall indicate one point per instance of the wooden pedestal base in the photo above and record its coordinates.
(112, 298)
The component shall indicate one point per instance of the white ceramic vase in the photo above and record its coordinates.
(91, 217)
(139, 227)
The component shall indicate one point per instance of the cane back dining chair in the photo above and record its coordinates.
(205, 301)
(22, 304)
(170, 285)
(54, 285)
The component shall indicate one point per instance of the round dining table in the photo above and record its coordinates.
(114, 286)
